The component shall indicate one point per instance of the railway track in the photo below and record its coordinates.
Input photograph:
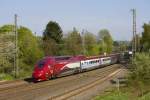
(71, 93)
(9, 82)
(13, 84)
(30, 91)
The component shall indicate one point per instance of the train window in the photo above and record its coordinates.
(87, 62)
(90, 62)
(106, 59)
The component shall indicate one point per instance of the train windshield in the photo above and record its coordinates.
(41, 64)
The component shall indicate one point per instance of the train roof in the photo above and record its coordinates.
(59, 58)
(101, 56)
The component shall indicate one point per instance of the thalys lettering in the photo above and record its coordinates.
(56, 66)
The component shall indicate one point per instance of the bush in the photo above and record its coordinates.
(145, 97)
(115, 95)
(6, 77)
(139, 77)
(29, 52)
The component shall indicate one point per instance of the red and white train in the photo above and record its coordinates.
(51, 67)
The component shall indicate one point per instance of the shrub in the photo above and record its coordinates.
(6, 77)
(139, 77)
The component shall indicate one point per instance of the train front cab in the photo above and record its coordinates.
(43, 70)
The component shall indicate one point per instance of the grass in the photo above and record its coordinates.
(124, 94)
(6, 77)
(22, 74)
(145, 97)
(113, 96)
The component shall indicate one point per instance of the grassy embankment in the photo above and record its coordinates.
(124, 94)
(137, 85)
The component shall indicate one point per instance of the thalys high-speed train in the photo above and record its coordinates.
(56, 66)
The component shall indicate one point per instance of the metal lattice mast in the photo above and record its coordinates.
(16, 47)
(134, 30)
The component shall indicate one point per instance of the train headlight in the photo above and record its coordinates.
(40, 74)
(49, 66)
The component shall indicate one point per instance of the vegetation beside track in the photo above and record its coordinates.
(123, 94)
(4, 76)
(137, 84)
(139, 77)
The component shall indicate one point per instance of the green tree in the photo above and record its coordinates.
(6, 29)
(139, 77)
(116, 46)
(6, 51)
(52, 37)
(106, 40)
(28, 47)
(121, 46)
(29, 50)
(146, 37)
(90, 44)
(138, 42)
(53, 31)
(50, 47)
(73, 43)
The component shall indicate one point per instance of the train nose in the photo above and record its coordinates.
(37, 74)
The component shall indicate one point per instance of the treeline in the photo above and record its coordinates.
(143, 39)
(53, 42)
(29, 51)
(74, 42)
(139, 78)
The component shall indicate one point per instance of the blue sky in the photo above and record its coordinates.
(92, 15)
